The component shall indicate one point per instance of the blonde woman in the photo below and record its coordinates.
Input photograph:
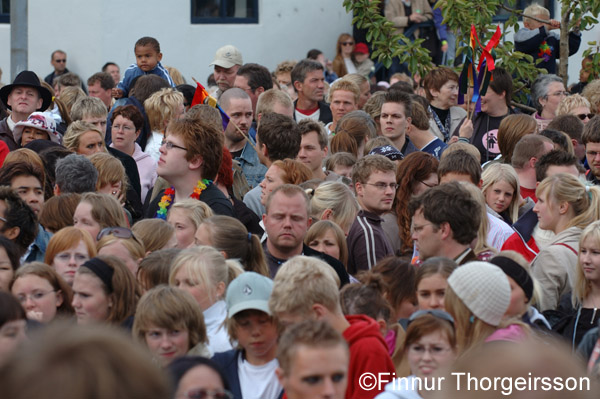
(203, 272)
(575, 105)
(565, 206)
(501, 191)
(477, 297)
(231, 237)
(186, 216)
(585, 296)
(161, 107)
(84, 138)
(335, 202)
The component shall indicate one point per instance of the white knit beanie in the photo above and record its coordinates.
(483, 288)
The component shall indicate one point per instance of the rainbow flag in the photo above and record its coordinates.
(201, 96)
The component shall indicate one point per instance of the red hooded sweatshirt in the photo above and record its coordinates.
(368, 354)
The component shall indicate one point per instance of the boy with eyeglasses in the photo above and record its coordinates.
(374, 180)
(190, 158)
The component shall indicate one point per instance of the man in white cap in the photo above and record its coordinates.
(228, 60)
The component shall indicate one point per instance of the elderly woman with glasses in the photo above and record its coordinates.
(127, 124)
(576, 105)
(546, 94)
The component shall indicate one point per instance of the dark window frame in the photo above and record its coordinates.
(221, 19)
(4, 17)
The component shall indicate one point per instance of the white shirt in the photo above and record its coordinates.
(314, 116)
(153, 145)
(214, 318)
(350, 65)
(498, 232)
(258, 382)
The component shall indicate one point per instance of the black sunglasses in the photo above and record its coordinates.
(440, 314)
(583, 116)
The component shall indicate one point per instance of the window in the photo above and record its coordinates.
(521, 5)
(4, 11)
(224, 11)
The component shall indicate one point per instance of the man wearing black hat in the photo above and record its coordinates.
(24, 96)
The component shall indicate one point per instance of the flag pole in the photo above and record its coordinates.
(246, 137)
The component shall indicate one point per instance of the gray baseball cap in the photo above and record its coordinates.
(249, 290)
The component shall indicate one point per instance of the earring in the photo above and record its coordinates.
(471, 319)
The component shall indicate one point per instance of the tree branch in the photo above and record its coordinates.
(517, 12)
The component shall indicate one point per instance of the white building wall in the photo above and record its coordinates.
(93, 32)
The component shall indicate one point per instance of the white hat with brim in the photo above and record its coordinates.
(227, 57)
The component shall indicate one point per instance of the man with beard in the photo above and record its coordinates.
(238, 105)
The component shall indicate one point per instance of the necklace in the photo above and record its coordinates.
(167, 199)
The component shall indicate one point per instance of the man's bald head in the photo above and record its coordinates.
(229, 94)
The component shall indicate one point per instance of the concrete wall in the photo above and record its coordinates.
(93, 32)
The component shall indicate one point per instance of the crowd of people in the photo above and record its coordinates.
(312, 229)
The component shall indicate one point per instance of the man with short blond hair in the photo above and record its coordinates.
(286, 222)
(306, 289)
(343, 98)
(313, 348)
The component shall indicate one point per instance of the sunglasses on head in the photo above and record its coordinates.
(583, 116)
(119, 232)
(440, 314)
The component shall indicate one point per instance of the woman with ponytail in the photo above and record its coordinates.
(352, 132)
(229, 236)
(565, 206)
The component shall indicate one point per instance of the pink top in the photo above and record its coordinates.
(512, 333)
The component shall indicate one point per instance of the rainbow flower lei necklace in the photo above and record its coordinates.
(167, 199)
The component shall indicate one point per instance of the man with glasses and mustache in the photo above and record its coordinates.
(374, 180)
(58, 60)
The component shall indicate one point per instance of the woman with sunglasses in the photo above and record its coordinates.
(196, 377)
(429, 347)
(42, 292)
(122, 243)
(344, 62)
(67, 250)
(575, 105)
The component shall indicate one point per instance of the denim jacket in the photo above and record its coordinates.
(251, 166)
